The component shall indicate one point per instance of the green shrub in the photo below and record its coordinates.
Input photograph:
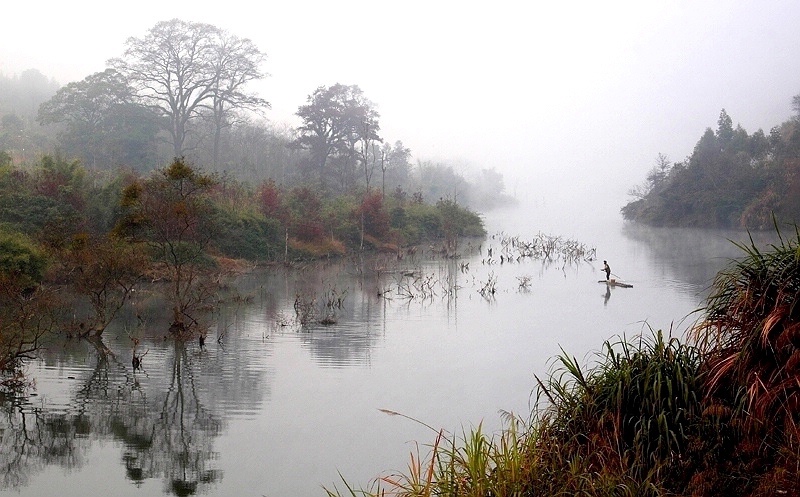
(247, 235)
(21, 261)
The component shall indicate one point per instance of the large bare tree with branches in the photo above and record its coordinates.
(237, 63)
(190, 71)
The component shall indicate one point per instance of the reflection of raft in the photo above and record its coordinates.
(613, 282)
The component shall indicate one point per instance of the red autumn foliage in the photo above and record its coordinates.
(376, 219)
(270, 200)
(305, 207)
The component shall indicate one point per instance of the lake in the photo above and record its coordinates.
(273, 407)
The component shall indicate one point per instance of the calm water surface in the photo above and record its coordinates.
(278, 409)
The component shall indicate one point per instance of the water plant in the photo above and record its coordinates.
(544, 247)
(524, 281)
(489, 287)
(304, 309)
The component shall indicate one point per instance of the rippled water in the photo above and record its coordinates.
(278, 409)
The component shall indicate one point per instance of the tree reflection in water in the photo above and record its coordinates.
(165, 434)
(184, 432)
(32, 439)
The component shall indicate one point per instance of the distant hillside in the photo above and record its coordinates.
(731, 180)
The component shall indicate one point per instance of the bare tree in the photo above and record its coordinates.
(369, 153)
(182, 69)
(237, 63)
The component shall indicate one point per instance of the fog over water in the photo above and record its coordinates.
(571, 102)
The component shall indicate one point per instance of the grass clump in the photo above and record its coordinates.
(614, 429)
(608, 431)
(715, 414)
(750, 338)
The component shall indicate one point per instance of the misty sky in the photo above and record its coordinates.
(572, 102)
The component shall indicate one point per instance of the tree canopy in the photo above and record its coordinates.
(336, 121)
(183, 91)
(102, 122)
(189, 71)
(731, 179)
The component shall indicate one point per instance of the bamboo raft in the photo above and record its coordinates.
(615, 283)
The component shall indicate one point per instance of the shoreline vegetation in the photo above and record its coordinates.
(712, 413)
(99, 188)
(73, 239)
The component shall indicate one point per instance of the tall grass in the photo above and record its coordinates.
(620, 424)
(608, 431)
(751, 339)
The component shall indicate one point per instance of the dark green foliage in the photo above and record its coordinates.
(338, 122)
(458, 221)
(652, 386)
(20, 260)
(246, 235)
(46, 204)
(638, 405)
(342, 221)
(423, 222)
(101, 123)
(30, 213)
(26, 310)
(398, 218)
(445, 220)
(103, 205)
(732, 179)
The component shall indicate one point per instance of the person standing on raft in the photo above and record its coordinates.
(607, 270)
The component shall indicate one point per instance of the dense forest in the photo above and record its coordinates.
(732, 179)
(163, 169)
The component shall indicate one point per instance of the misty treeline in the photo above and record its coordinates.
(183, 91)
(162, 170)
(732, 179)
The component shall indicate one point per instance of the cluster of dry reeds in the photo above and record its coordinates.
(542, 247)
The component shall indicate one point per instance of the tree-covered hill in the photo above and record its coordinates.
(732, 179)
